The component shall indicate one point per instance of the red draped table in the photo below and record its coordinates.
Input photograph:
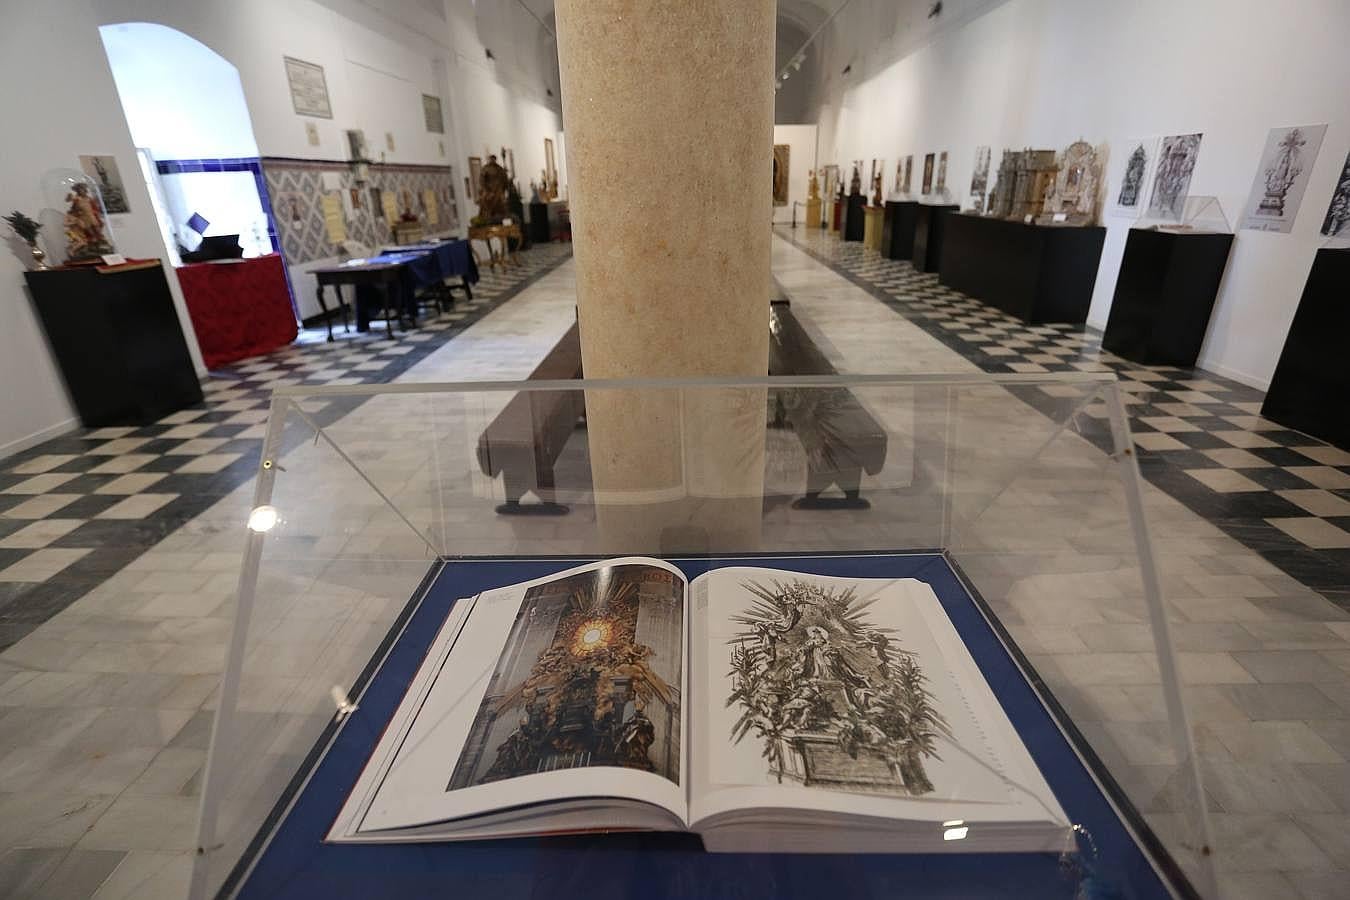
(239, 308)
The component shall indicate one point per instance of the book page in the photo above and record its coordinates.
(569, 686)
(847, 696)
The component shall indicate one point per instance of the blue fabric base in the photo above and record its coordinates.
(297, 864)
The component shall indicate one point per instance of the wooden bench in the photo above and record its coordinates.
(840, 437)
(524, 441)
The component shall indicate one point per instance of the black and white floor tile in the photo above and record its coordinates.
(1200, 437)
(76, 509)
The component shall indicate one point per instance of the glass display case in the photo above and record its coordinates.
(1016, 498)
(1200, 215)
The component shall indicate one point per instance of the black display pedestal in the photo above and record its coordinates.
(1039, 273)
(1164, 295)
(854, 217)
(539, 233)
(516, 210)
(117, 341)
(1311, 387)
(929, 229)
(897, 238)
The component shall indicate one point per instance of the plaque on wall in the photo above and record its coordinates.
(940, 186)
(928, 173)
(309, 90)
(431, 113)
(1282, 176)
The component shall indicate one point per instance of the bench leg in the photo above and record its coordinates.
(515, 489)
(849, 481)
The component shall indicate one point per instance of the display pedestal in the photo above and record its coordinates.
(1311, 387)
(239, 308)
(1039, 273)
(898, 240)
(872, 222)
(929, 230)
(1164, 295)
(116, 338)
(539, 230)
(854, 222)
(813, 212)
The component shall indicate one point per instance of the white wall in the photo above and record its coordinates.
(1044, 73)
(59, 102)
(182, 101)
(801, 160)
(378, 58)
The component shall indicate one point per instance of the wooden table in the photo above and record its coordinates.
(382, 274)
(503, 233)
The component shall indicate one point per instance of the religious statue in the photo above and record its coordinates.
(813, 187)
(635, 740)
(492, 187)
(876, 190)
(85, 225)
(855, 183)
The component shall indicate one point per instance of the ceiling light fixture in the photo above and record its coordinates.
(801, 51)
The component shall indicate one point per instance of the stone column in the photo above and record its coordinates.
(668, 112)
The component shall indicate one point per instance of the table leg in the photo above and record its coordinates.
(324, 307)
(468, 291)
(342, 302)
(388, 313)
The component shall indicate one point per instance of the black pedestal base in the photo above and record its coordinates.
(850, 500)
(516, 508)
(1164, 296)
(855, 218)
(1039, 273)
(1311, 387)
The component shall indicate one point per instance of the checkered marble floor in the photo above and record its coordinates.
(1200, 437)
(76, 509)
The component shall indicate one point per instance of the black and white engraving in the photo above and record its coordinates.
(1171, 181)
(979, 179)
(1132, 185)
(835, 701)
(1336, 222)
(1281, 177)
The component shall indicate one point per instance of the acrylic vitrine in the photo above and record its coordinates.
(1016, 498)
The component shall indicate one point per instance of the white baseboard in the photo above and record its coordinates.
(37, 437)
(1261, 384)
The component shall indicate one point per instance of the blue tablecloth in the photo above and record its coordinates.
(422, 266)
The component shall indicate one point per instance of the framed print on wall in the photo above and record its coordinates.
(431, 113)
(309, 89)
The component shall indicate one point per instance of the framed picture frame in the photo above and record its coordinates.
(431, 113)
(309, 88)
(475, 175)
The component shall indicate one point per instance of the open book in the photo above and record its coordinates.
(765, 710)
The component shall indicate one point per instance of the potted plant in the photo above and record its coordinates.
(27, 229)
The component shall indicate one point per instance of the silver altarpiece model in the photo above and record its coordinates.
(1073, 198)
(1024, 177)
